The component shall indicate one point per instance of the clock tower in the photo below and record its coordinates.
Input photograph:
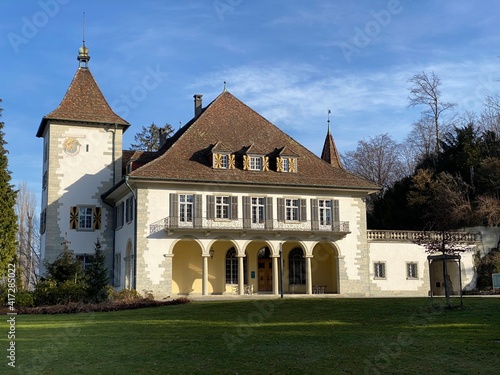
(82, 154)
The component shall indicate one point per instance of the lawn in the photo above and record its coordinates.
(271, 336)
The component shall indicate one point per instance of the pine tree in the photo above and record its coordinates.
(97, 276)
(8, 219)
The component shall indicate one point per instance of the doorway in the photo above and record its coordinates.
(265, 270)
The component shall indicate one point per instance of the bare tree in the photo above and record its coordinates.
(424, 90)
(376, 159)
(28, 237)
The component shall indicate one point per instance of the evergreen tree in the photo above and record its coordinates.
(149, 138)
(65, 268)
(8, 219)
(97, 276)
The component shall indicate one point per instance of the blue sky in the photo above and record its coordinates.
(290, 60)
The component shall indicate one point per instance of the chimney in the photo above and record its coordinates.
(197, 104)
(163, 137)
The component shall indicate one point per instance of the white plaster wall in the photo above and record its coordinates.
(80, 177)
(395, 255)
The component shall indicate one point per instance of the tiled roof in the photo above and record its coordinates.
(84, 103)
(330, 153)
(229, 121)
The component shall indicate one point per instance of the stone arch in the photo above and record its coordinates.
(186, 266)
(325, 267)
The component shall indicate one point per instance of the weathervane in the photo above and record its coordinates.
(329, 120)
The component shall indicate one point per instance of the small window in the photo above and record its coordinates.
(118, 269)
(255, 163)
(286, 165)
(129, 209)
(411, 270)
(86, 260)
(119, 216)
(325, 211)
(224, 162)
(379, 270)
(85, 218)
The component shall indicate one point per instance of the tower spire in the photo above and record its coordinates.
(330, 153)
(83, 51)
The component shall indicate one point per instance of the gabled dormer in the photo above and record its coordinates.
(222, 157)
(254, 159)
(287, 161)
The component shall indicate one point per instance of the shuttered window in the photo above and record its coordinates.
(85, 218)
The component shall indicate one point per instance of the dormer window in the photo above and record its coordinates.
(223, 161)
(286, 164)
(255, 163)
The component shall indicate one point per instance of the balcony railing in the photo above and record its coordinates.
(176, 223)
(415, 236)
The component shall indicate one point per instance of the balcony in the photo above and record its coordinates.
(414, 236)
(170, 224)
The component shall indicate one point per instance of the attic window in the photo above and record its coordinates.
(223, 161)
(286, 164)
(255, 163)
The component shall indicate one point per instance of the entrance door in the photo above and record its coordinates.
(265, 274)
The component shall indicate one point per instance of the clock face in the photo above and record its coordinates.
(71, 146)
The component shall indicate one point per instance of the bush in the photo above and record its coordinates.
(48, 292)
(126, 295)
(486, 266)
(24, 298)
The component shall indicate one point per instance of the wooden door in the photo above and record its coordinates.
(265, 274)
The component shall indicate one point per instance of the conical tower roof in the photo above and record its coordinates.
(83, 103)
(330, 153)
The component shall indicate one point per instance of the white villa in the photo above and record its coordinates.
(229, 205)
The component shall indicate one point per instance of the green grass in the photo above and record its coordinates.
(290, 336)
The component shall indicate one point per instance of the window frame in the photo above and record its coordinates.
(83, 217)
(257, 210)
(186, 208)
(222, 207)
(119, 215)
(129, 210)
(255, 163)
(325, 212)
(86, 260)
(292, 209)
(296, 267)
(409, 272)
(379, 271)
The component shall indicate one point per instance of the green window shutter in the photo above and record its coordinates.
(269, 213)
(97, 218)
(73, 217)
(314, 214)
(197, 220)
(174, 210)
(234, 208)
(303, 210)
(247, 212)
(210, 207)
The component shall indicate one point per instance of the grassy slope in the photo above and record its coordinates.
(299, 336)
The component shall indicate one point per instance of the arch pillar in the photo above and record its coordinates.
(308, 274)
(204, 275)
(241, 274)
(276, 266)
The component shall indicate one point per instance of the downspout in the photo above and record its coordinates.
(135, 233)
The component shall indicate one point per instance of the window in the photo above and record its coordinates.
(85, 216)
(119, 216)
(222, 207)
(296, 265)
(379, 270)
(411, 270)
(186, 208)
(255, 163)
(118, 269)
(291, 209)
(258, 210)
(86, 260)
(286, 165)
(129, 209)
(231, 267)
(45, 180)
(325, 212)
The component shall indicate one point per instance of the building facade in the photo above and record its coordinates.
(228, 204)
